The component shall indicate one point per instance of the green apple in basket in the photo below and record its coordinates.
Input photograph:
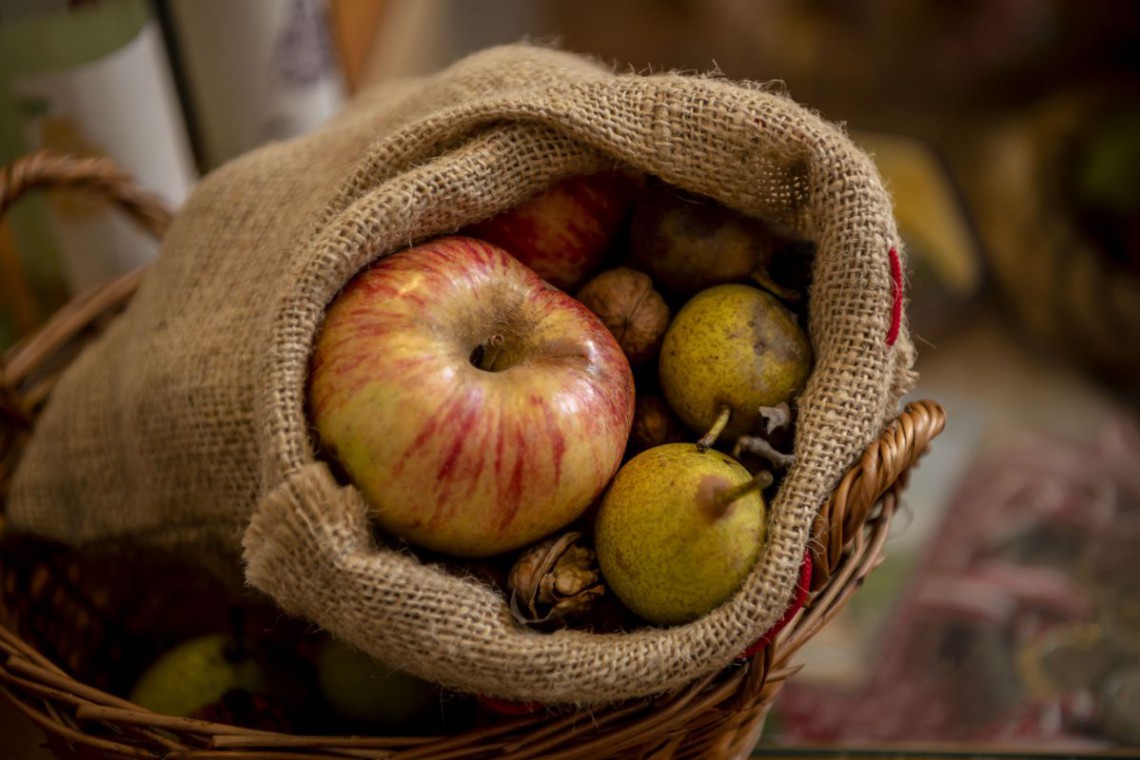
(197, 673)
(365, 691)
(477, 407)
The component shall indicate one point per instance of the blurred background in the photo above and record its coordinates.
(1007, 615)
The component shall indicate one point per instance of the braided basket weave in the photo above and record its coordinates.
(44, 608)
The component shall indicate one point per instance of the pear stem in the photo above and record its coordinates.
(708, 439)
(763, 279)
(758, 482)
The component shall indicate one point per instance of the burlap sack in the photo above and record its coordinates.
(184, 425)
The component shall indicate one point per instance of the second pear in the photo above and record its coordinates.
(730, 350)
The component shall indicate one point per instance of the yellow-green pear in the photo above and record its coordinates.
(730, 350)
(678, 531)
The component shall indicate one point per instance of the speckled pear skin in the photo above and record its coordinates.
(665, 547)
(732, 345)
(689, 243)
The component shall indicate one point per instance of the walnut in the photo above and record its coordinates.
(553, 580)
(633, 311)
(654, 424)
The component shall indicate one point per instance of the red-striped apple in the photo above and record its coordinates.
(563, 232)
(477, 407)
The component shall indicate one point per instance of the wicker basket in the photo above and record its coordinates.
(70, 623)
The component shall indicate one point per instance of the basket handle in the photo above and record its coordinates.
(49, 170)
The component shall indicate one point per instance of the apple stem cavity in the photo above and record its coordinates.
(486, 354)
(708, 439)
(758, 482)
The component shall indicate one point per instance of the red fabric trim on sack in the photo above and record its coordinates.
(896, 297)
(506, 707)
(802, 587)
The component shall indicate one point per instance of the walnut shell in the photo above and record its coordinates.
(655, 424)
(554, 580)
(631, 309)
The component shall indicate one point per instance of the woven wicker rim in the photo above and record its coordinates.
(719, 716)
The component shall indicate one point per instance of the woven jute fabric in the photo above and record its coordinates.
(184, 424)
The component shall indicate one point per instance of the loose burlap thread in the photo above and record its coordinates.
(184, 424)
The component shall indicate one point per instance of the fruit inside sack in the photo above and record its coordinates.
(731, 350)
(679, 530)
(690, 243)
(477, 407)
(563, 232)
(484, 413)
